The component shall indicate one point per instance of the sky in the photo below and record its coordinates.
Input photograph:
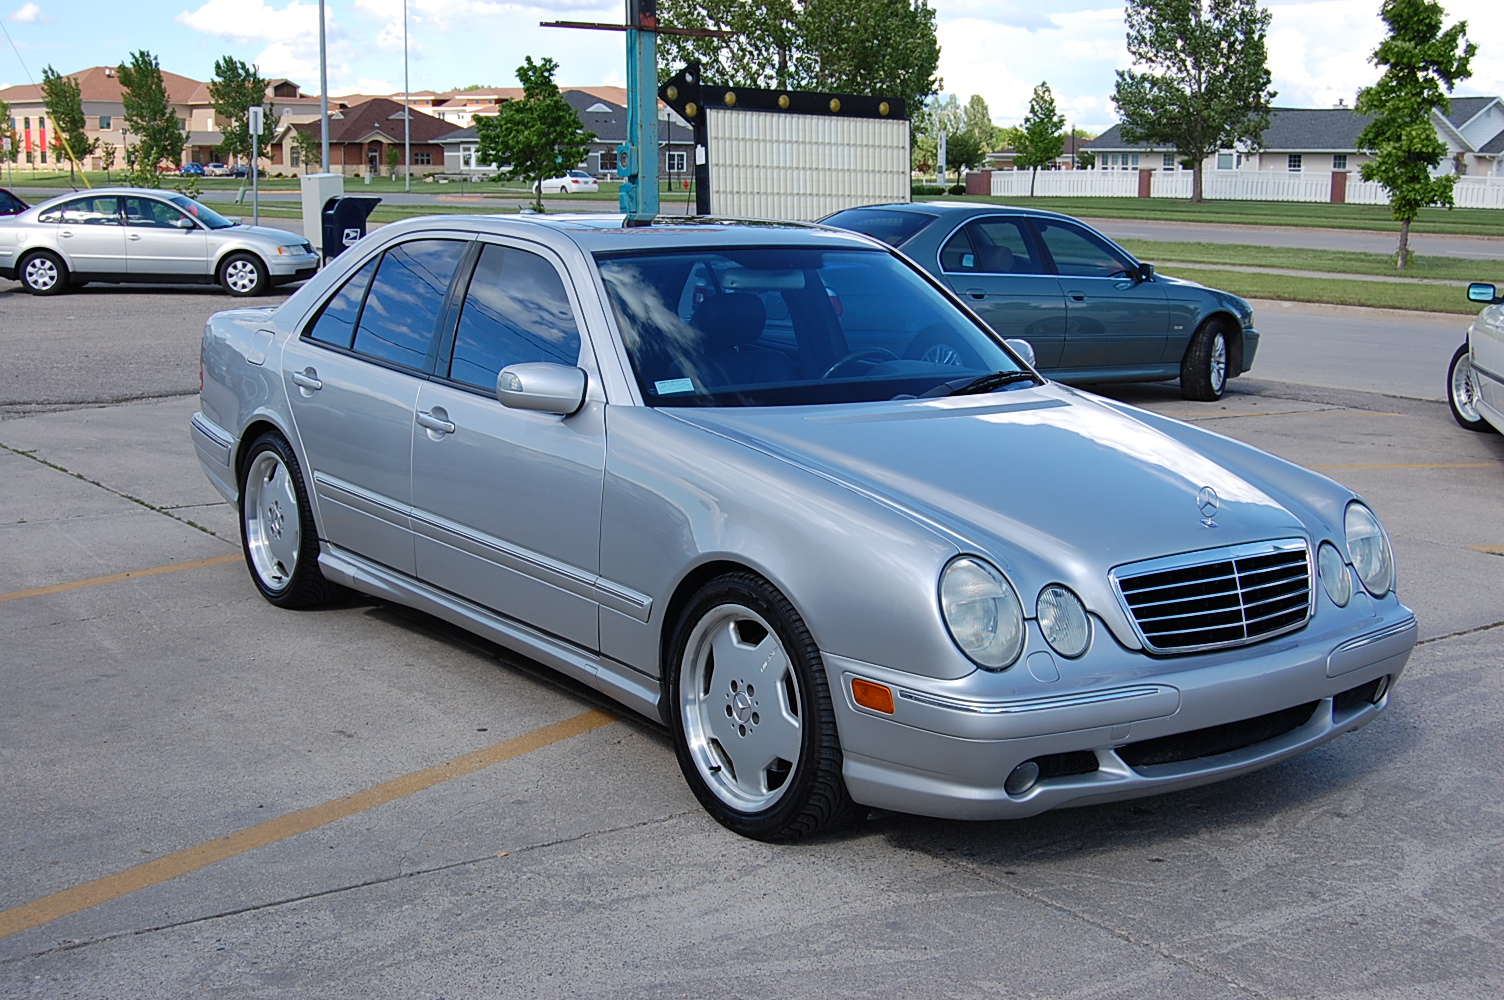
(1318, 51)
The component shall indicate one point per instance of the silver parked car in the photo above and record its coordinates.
(142, 234)
(1475, 378)
(690, 465)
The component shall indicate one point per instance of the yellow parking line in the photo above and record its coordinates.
(1420, 465)
(1203, 415)
(142, 876)
(1493, 550)
(95, 581)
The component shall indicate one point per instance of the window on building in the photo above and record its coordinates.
(422, 159)
(105, 122)
(1169, 161)
(677, 162)
(1293, 161)
(1135, 161)
(294, 157)
(27, 122)
(467, 157)
(1339, 161)
(1224, 161)
(608, 160)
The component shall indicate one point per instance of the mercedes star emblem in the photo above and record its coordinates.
(1208, 503)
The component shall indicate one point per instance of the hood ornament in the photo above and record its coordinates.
(1208, 504)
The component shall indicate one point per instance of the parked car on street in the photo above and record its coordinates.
(143, 234)
(1475, 378)
(10, 204)
(216, 170)
(1093, 312)
(842, 575)
(574, 182)
(191, 169)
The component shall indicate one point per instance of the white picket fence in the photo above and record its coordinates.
(1226, 185)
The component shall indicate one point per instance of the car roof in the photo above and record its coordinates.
(157, 192)
(609, 233)
(959, 209)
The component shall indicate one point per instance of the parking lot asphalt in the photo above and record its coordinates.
(206, 796)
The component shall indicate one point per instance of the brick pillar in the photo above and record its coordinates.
(979, 182)
(1339, 187)
(1145, 183)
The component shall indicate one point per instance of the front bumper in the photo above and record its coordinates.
(949, 746)
(1250, 347)
(284, 269)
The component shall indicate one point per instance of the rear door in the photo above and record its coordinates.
(89, 232)
(994, 263)
(161, 240)
(1113, 320)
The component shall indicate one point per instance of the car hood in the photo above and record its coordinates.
(278, 236)
(1044, 475)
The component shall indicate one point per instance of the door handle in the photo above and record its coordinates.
(434, 423)
(307, 379)
(1077, 296)
(976, 293)
(66, 234)
(135, 236)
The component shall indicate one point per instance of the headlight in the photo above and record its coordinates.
(1062, 619)
(1334, 575)
(982, 612)
(1369, 550)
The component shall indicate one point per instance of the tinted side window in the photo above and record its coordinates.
(401, 314)
(1081, 253)
(516, 310)
(336, 323)
(958, 256)
(10, 203)
(1002, 248)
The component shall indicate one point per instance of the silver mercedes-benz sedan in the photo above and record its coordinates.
(142, 234)
(693, 465)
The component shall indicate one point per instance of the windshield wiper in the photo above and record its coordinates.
(982, 383)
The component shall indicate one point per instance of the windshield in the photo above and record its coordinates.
(202, 213)
(769, 327)
(893, 228)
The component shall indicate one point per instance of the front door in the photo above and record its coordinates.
(507, 503)
(353, 380)
(89, 232)
(1113, 320)
(995, 266)
(161, 240)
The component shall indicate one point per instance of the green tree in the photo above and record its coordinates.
(535, 137)
(310, 149)
(235, 89)
(977, 120)
(1422, 63)
(393, 157)
(940, 115)
(1040, 139)
(1204, 83)
(150, 117)
(8, 131)
(65, 109)
(106, 157)
(885, 47)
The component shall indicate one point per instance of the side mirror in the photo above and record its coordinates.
(1480, 291)
(1023, 349)
(542, 386)
(183, 222)
(1145, 272)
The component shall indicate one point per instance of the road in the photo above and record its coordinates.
(206, 796)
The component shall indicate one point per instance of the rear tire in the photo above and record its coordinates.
(1462, 392)
(1203, 370)
(277, 532)
(43, 273)
(750, 711)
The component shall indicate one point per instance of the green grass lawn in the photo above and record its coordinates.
(1460, 221)
(1333, 261)
(1382, 295)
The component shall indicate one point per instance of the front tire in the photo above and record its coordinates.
(243, 274)
(277, 531)
(43, 273)
(751, 714)
(1462, 392)
(1203, 370)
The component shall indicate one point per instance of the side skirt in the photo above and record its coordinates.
(634, 689)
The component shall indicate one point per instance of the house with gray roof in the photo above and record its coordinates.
(1325, 140)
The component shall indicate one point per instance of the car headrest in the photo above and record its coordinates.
(730, 320)
(995, 260)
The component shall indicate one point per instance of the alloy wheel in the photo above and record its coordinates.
(273, 528)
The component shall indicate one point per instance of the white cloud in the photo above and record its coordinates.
(28, 14)
(255, 20)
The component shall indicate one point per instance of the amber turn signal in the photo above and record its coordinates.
(877, 697)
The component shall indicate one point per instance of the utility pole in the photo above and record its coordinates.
(407, 111)
(253, 125)
(324, 95)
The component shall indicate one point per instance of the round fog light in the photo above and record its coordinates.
(1022, 779)
(1380, 690)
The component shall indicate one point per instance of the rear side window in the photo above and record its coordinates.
(336, 323)
(401, 313)
(10, 203)
(1002, 247)
(893, 228)
(516, 310)
(97, 210)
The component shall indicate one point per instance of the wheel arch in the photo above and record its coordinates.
(249, 435)
(1232, 329)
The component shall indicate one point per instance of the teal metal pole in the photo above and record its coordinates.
(638, 158)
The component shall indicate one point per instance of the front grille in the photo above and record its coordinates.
(1064, 765)
(1222, 597)
(1216, 739)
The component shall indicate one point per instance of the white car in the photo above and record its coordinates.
(1475, 379)
(216, 170)
(574, 182)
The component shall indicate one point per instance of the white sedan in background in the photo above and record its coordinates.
(574, 182)
(1475, 379)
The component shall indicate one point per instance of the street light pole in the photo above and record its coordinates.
(323, 96)
(407, 112)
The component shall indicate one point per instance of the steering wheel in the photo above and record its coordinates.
(875, 353)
